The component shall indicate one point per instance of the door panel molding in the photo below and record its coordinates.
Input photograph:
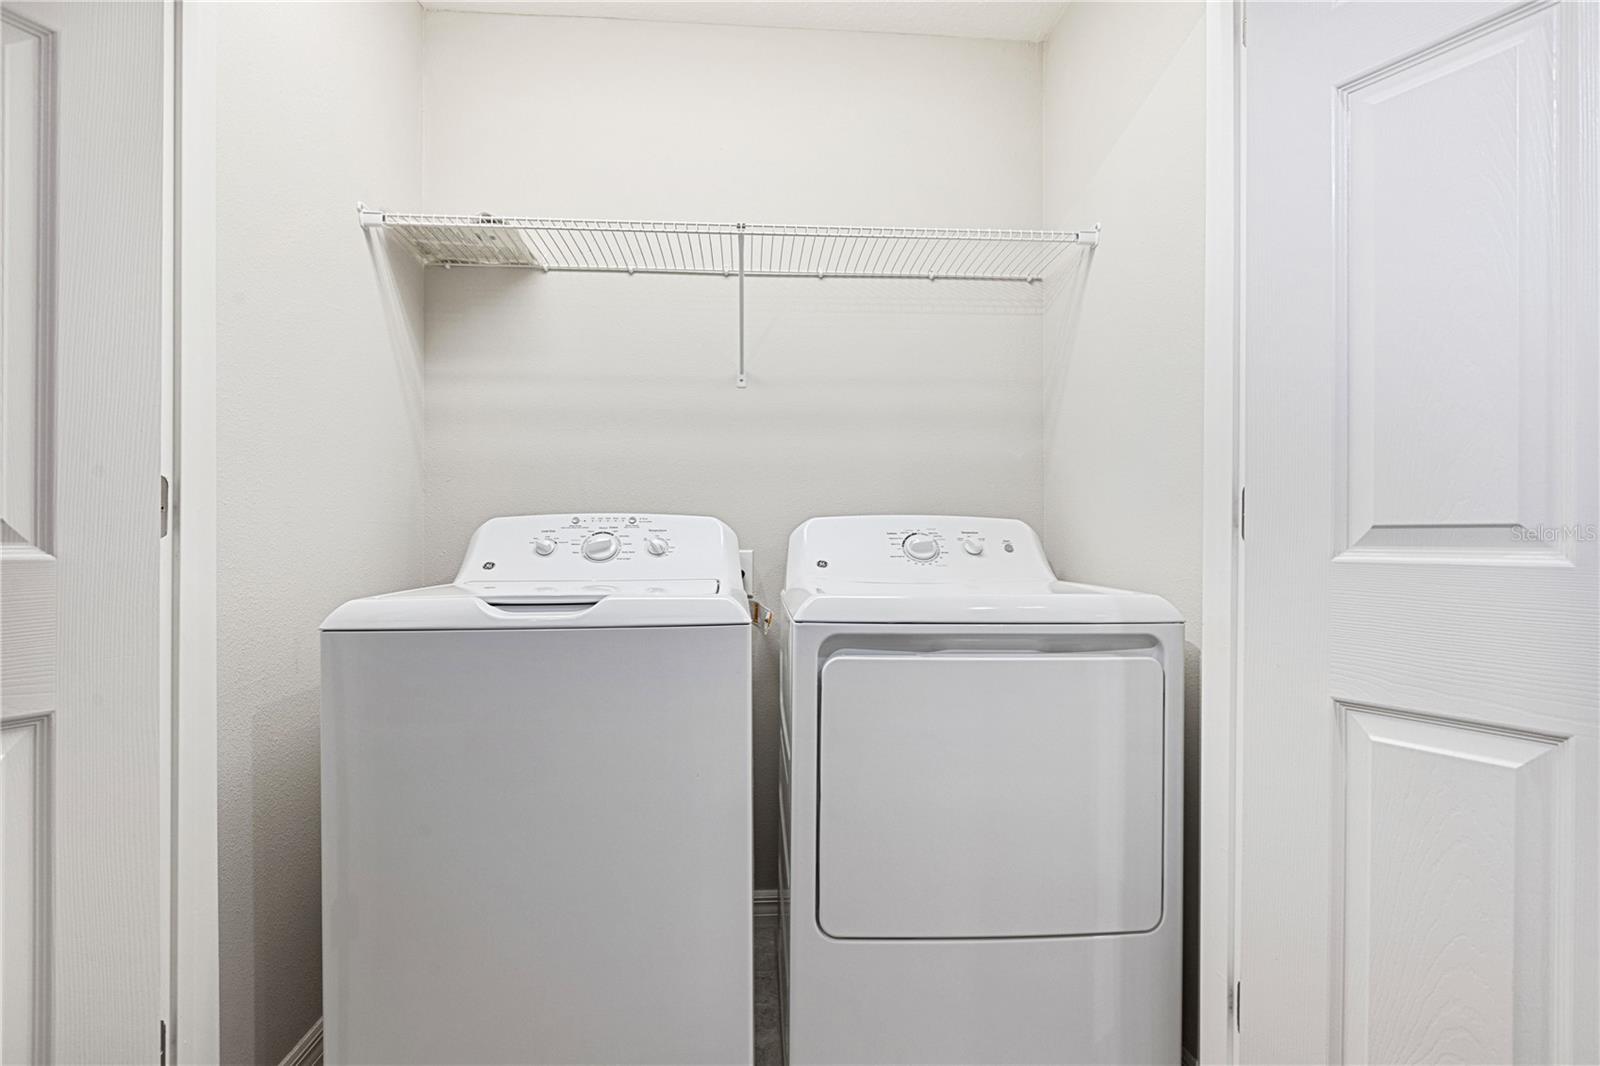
(30, 520)
(1456, 936)
(26, 785)
(1460, 466)
(28, 578)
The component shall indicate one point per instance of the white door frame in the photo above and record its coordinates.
(192, 998)
(194, 994)
(1222, 512)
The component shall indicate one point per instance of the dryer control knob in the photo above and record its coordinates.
(544, 546)
(656, 545)
(921, 547)
(599, 547)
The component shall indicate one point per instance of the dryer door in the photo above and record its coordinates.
(976, 796)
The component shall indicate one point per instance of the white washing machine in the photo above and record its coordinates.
(981, 801)
(536, 839)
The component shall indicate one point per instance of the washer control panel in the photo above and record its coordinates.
(575, 547)
(916, 548)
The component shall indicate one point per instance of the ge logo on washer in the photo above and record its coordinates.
(822, 563)
(488, 566)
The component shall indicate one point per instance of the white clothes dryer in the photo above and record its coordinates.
(981, 802)
(536, 835)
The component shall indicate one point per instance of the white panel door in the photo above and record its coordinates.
(1419, 641)
(80, 377)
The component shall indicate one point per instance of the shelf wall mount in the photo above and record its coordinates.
(738, 249)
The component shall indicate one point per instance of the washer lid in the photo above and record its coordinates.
(575, 571)
(943, 569)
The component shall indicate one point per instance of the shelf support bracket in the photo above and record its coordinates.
(741, 379)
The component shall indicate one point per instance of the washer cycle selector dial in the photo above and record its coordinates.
(598, 547)
(544, 546)
(656, 545)
(921, 547)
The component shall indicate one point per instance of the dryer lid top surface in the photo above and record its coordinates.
(612, 570)
(943, 569)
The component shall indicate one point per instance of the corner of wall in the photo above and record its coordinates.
(1123, 117)
(319, 448)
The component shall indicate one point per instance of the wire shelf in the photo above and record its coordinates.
(715, 248)
(739, 250)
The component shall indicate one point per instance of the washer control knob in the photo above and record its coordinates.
(656, 545)
(921, 547)
(598, 547)
(972, 545)
(544, 546)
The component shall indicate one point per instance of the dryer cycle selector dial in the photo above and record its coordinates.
(598, 547)
(921, 547)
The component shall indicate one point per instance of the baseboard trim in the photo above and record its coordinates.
(767, 902)
(308, 1052)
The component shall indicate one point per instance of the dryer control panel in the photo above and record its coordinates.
(916, 548)
(583, 547)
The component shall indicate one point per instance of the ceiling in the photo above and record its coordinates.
(994, 20)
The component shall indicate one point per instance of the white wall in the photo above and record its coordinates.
(320, 438)
(1124, 124)
(563, 392)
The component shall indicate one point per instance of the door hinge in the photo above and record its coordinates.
(1241, 513)
(163, 1020)
(166, 496)
(1235, 1001)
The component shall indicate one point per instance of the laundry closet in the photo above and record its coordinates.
(678, 532)
(723, 260)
